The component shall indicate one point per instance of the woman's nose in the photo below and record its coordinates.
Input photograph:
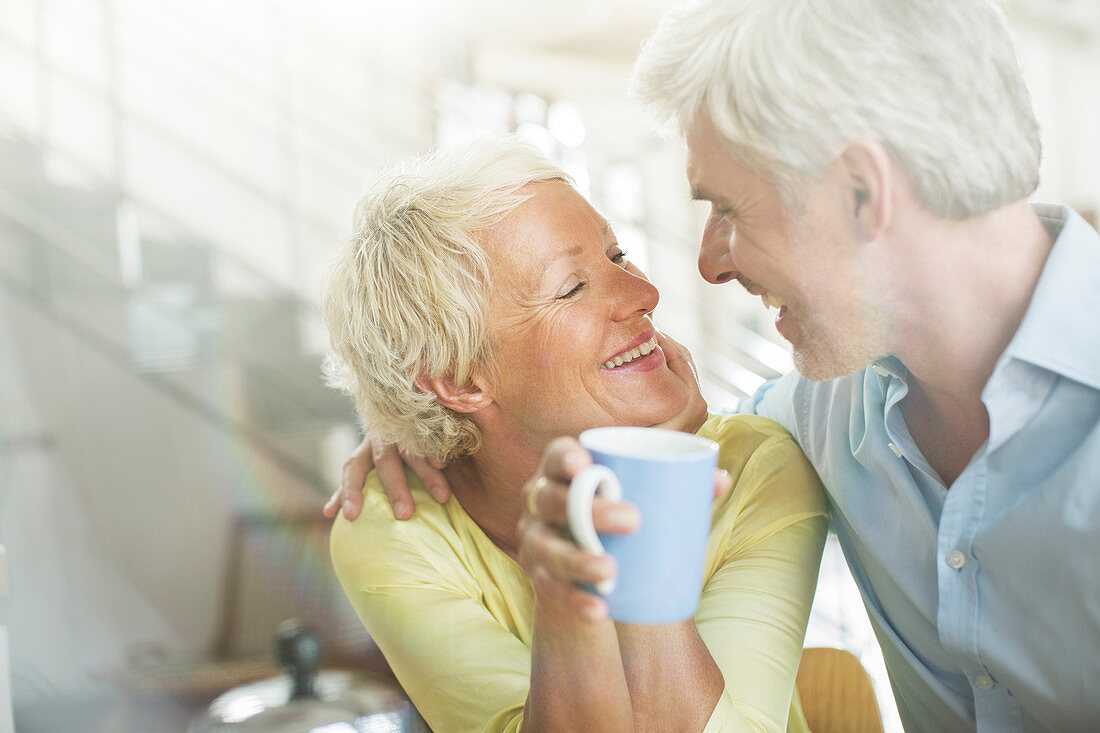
(715, 259)
(638, 295)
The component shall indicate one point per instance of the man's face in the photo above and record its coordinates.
(811, 265)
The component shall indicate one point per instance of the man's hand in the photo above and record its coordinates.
(390, 463)
(694, 414)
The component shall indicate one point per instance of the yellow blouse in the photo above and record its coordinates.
(452, 613)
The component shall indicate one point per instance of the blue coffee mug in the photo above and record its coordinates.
(669, 477)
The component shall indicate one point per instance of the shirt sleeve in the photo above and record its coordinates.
(756, 603)
(456, 662)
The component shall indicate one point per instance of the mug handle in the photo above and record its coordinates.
(586, 484)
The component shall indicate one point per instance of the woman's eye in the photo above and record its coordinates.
(576, 289)
(619, 257)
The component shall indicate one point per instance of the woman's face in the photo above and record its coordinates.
(571, 321)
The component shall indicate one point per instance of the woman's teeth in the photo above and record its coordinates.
(628, 356)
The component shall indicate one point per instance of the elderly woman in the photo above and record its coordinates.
(481, 308)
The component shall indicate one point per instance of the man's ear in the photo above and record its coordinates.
(468, 397)
(867, 177)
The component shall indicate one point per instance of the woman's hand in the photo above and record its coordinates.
(571, 624)
(679, 360)
(577, 676)
(554, 563)
(390, 463)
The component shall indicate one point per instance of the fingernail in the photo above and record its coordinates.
(400, 508)
(622, 518)
(347, 505)
(594, 611)
(597, 568)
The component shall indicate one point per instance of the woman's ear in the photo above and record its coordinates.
(471, 396)
(866, 176)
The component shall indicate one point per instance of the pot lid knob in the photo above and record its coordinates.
(298, 651)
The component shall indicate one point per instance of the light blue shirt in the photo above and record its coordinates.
(986, 598)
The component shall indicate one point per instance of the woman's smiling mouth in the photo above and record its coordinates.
(630, 355)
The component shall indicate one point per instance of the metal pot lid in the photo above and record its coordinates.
(343, 702)
(305, 701)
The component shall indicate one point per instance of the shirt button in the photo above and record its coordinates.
(956, 560)
(880, 370)
(897, 451)
(984, 682)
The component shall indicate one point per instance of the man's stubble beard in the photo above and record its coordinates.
(821, 355)
(833, 343)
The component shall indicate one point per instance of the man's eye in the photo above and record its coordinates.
(576, 289)
(619, 257)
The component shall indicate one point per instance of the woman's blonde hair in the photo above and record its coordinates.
(408, 293)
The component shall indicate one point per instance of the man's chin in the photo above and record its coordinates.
(819, 365)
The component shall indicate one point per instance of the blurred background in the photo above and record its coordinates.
(173, 175)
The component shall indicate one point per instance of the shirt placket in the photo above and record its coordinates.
(959, 615)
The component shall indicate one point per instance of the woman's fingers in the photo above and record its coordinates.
(565, 601)
(548, 491)
(563, 458)
(544, 548)
(722, 483)
(555, 564)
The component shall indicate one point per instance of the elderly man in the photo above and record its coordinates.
(868, 164)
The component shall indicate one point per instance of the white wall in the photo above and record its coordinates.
(115, 505)
(1060, 56)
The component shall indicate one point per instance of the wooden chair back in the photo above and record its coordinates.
(836, 691)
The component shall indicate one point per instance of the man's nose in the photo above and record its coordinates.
(715, 259)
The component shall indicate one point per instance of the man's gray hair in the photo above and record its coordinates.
(788, 82)
(408, 293)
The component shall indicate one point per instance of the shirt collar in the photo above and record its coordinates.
(1061, 328)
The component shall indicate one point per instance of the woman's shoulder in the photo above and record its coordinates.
(741, 427)
(740, 437)
(764, 462)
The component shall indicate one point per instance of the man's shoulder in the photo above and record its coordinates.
(798, 403)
